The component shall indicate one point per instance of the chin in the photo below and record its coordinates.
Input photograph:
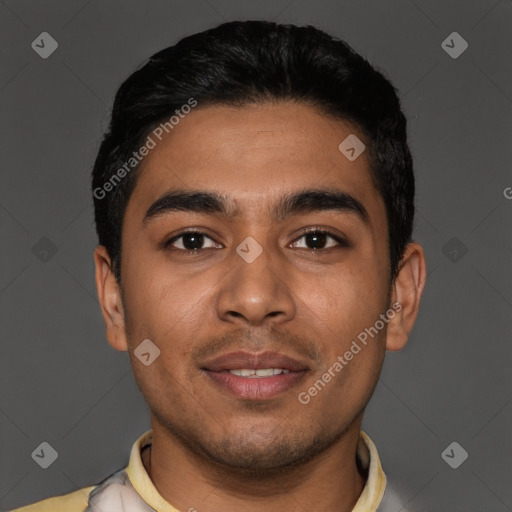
(256, 452)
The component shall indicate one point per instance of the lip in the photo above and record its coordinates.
(240, 360)
(260, 388)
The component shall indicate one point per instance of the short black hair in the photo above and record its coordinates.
(246, 62)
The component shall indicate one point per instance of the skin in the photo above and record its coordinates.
(212, 451)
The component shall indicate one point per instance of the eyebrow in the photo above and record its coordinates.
(303, 201)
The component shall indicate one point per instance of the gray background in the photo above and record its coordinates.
(60, 380)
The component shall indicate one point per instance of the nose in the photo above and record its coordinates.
(256, 292)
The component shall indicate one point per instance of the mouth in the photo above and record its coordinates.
(255, 376)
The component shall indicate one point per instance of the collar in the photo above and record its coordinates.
(367, 454)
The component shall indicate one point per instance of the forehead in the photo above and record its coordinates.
(253, 154)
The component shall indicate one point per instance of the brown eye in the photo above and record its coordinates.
(316, 240)
(190, 242)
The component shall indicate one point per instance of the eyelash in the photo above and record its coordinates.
(341, 242)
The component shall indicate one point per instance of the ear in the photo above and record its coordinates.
(406, 294)
(109, 295)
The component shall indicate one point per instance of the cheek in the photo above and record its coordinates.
(160, 303)
(345, 302)
(345, 312)
(169, 310)
(160, 385)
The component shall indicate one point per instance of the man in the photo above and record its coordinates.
(254, 203)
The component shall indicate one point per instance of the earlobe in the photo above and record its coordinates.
(109, 296)
(406, 296)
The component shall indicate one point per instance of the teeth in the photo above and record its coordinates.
(253, 374)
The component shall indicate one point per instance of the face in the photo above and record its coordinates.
(247, 280)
